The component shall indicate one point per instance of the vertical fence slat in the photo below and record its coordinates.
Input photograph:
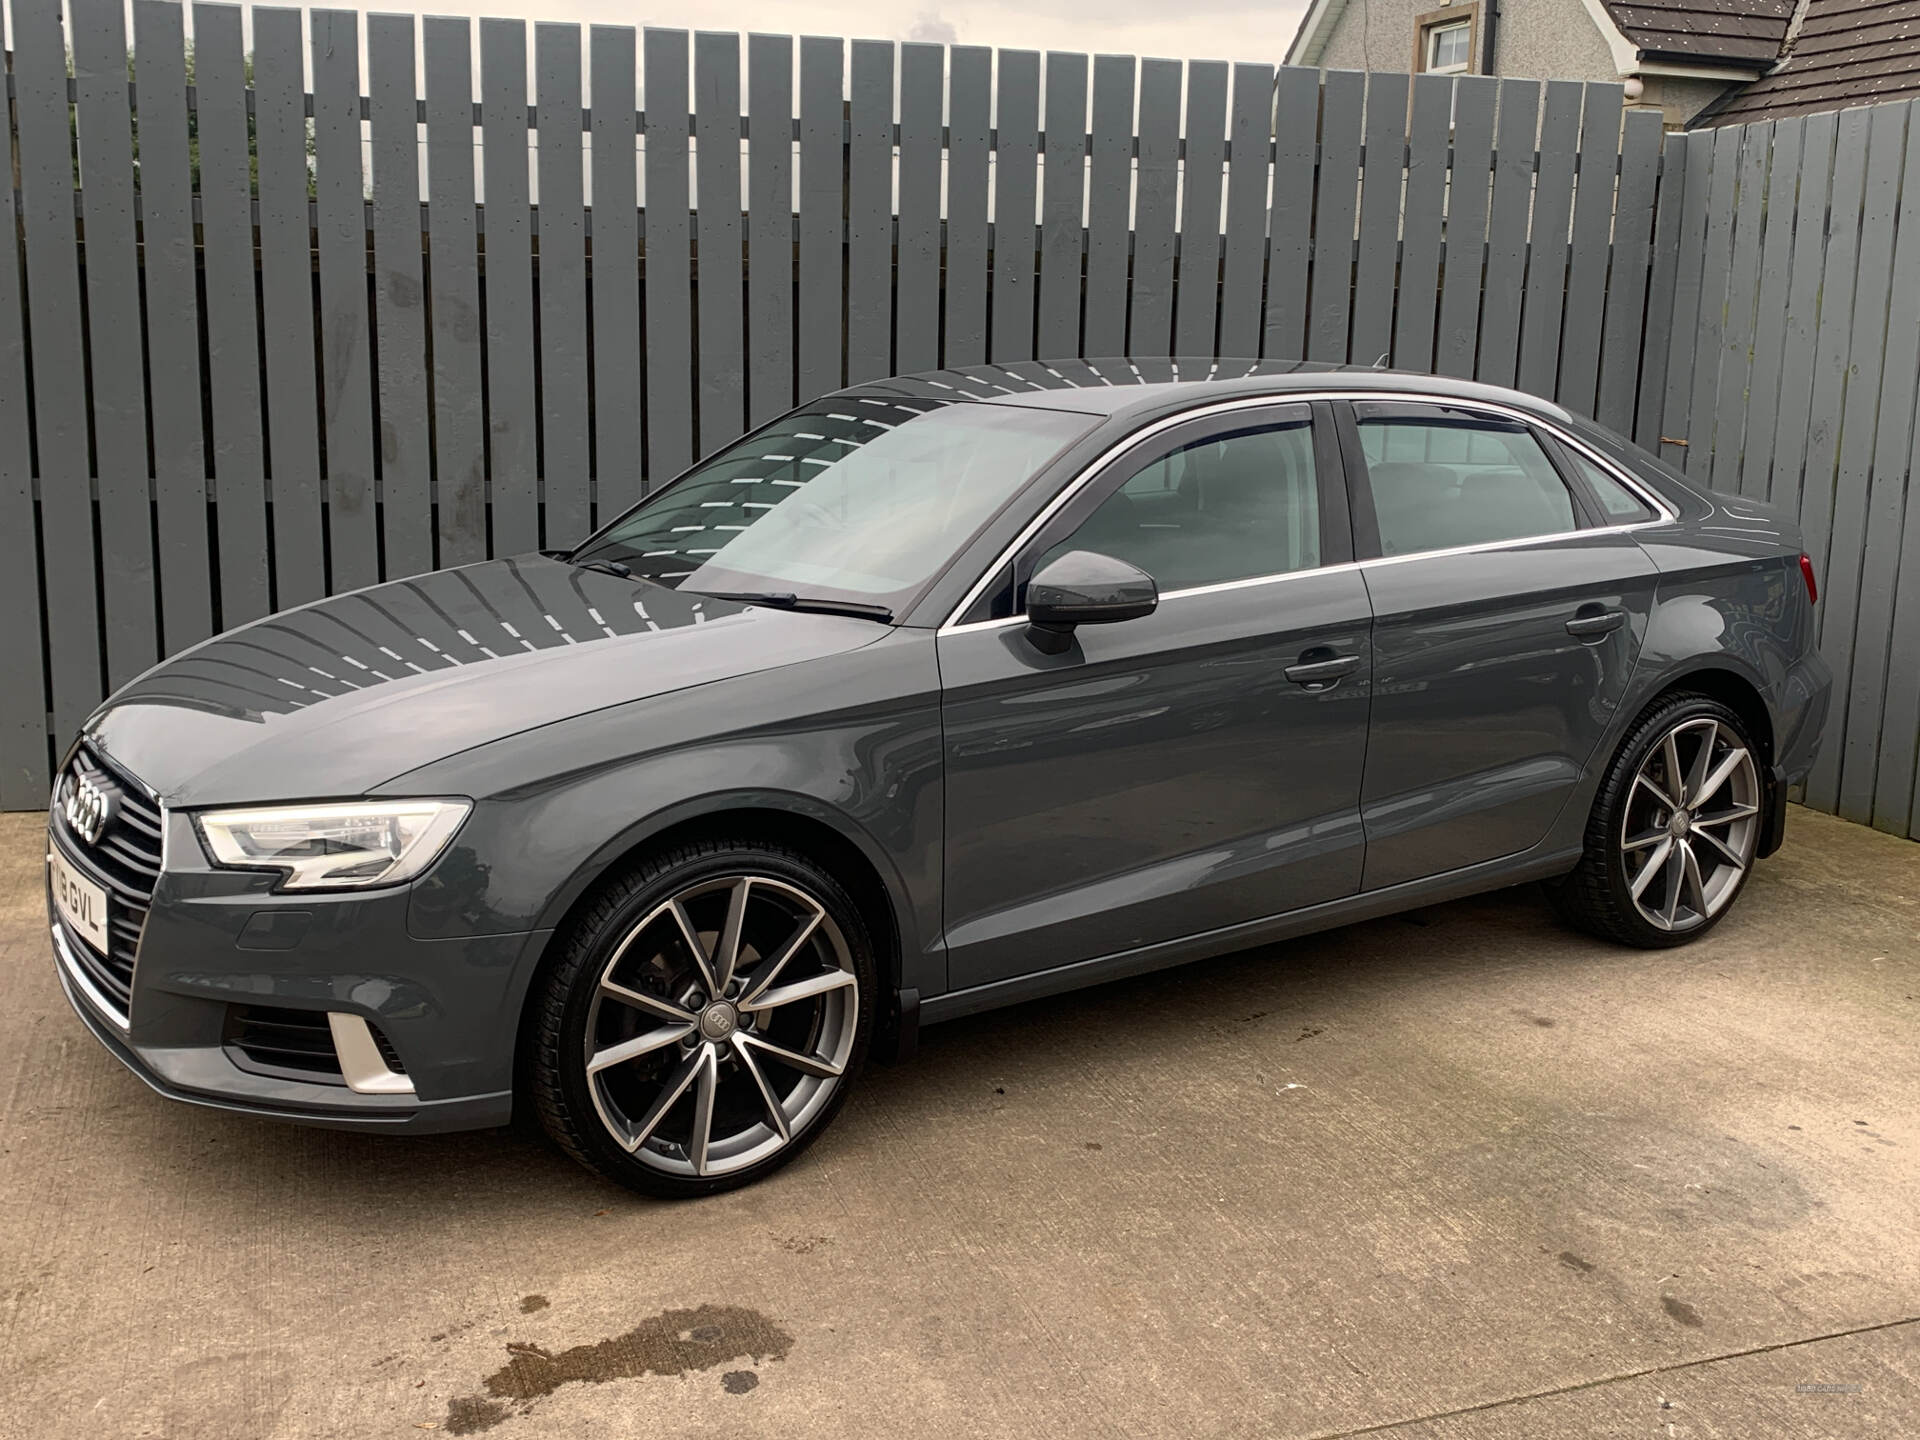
(512, 420)
(1017, 122)
(1840, 596)
(1592, 228)
(1662, 277)
(1150, 326)
(561, 223)
(173, 327)
(1109, 205)
(1545, 308)
(24, 767)
(1507, 232)
(1627, 281)
(916, 344)
(1333, 219)
(1769, 342)
(286, 298)
(723, 378)
(458, 413)
(1064, 195)
(1296, 122)
(1736, 343)
(233, 334)
(1795, 409)
(822, 127)
(1466, 224)
(770, 226)
(58, 362)
(870, 213)
(103, 121)
(1716, 260)
(1413, 324)
(1886, 484)
(1689, 249)
(406, 472)
(1245, 240)
(1832, 344)
(669, 263)
(345, 336)
(619, 462)
(1380, 201)
(1896, 799)
(970, 106)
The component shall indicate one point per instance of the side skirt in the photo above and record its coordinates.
(1432, 890)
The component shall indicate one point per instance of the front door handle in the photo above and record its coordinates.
(1321, 674)
(1591, 622)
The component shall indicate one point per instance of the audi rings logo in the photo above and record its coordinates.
(87, 807)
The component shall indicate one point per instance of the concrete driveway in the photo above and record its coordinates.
(1455, 1174)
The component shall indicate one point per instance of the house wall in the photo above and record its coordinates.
(1538, 39)
(1378, 34)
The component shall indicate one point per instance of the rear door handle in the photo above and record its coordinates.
(1319, 674)
(1591, 623)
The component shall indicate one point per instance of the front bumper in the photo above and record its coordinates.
(219, 943)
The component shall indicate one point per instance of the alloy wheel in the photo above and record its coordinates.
(721, 1026)
(1691, 824)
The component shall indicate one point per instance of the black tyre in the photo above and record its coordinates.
(705, 1019)
(1674, 828)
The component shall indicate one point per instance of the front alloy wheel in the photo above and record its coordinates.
(710, 1014)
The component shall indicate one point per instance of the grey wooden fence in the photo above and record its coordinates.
(1793, 375)
(425, 328)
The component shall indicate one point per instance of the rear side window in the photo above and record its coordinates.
(1230, 507)
(1446, 479)
(1622, 506)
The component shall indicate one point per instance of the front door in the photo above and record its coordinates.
(1164, 776)
(1509, 607)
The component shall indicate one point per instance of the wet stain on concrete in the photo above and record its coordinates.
(673, 1342)
(738, 1382)
(1545, 1022)
(470, 1414)
(531, 1303)
(802, 1244)
(1681, 1313)
(1574, 1262)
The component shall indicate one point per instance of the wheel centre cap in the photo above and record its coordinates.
(719, 1020)
(1680, 824)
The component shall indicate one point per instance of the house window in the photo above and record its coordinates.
(1448, 47)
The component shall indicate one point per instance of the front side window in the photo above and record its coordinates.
(853, 498)
(1450, 480)
(1230, 507)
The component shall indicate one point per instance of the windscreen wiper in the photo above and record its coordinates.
(605, 567)
(787, 600)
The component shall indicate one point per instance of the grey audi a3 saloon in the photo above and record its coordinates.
(937, 694)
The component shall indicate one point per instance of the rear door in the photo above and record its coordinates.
(1165, 776)
(1509, 608)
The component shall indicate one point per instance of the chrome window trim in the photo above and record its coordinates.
(1664, 513)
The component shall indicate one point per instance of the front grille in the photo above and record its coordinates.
(124, 858)
(288, 1044)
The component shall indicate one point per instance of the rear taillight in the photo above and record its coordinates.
(1806, 574)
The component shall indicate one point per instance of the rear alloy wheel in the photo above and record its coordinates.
(1674, 828)
(1690, 824)
(706, 1020)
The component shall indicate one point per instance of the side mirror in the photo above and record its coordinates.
(1084, 588)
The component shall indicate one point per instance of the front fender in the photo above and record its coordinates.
(848, 741)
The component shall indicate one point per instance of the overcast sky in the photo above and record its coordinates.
(1179, 29)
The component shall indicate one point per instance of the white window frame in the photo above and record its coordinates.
(1430, 44)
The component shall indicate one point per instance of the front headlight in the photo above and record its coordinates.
(335, 847)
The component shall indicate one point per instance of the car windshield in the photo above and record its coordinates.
(852, 498)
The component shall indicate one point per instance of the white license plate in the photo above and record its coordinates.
(81, 903)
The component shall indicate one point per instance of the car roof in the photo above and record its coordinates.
(1133, 387)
